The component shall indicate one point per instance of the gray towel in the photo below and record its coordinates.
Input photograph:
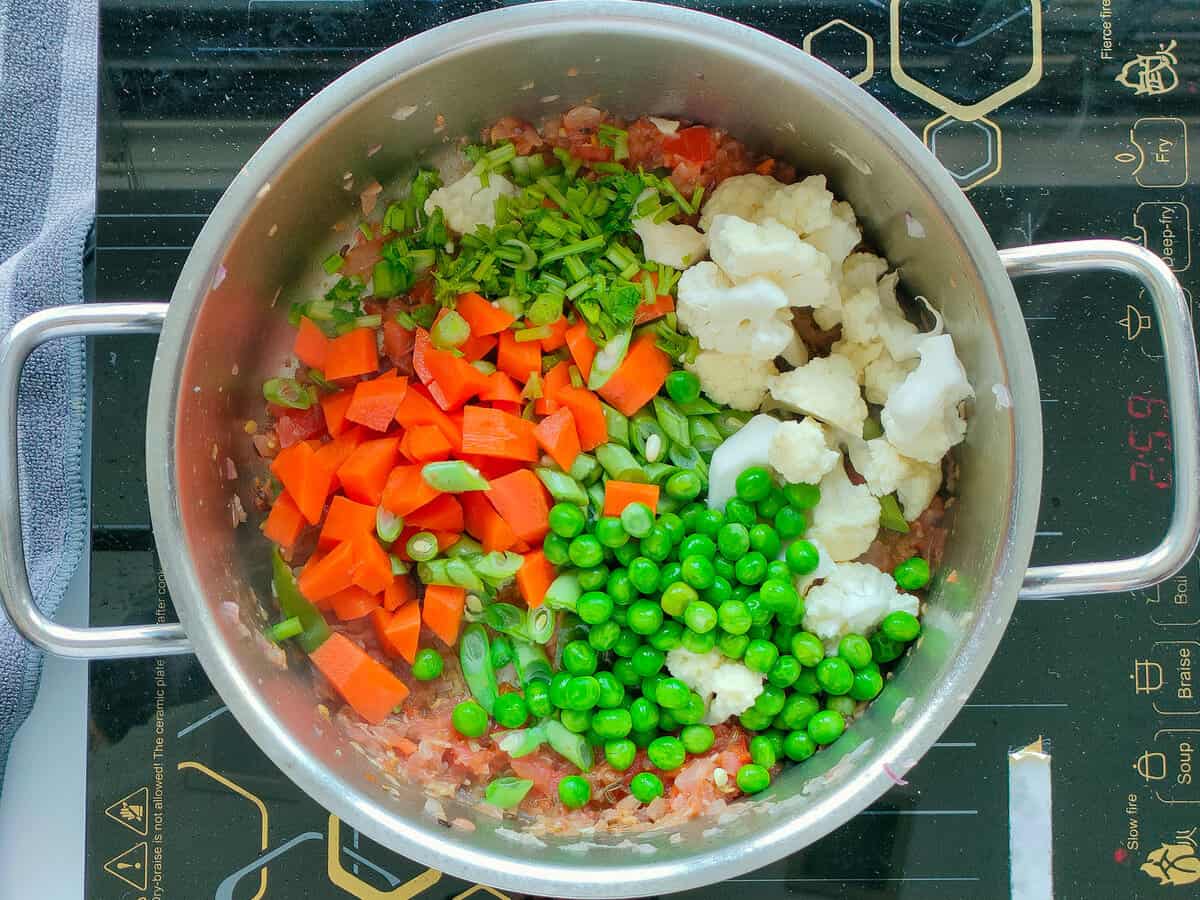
(47, 204)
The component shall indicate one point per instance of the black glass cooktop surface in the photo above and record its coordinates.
(1059, 120)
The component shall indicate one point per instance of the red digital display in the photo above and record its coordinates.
(1149, 440)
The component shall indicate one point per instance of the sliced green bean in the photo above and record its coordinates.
(617, 423)
(619, 463)
(890, 516)
(507, 792)
(532, 664)
(498, 565)
(562, 487)
(294, 605)
(697, 407)
(461, 574)
(388, 525)
(572, 747)
(454, 476)
(564, 592)
(523, 742)
(646, 436)
(705, 436)
(474, 654)
(596, 496)
(585, 469)
(673, 423)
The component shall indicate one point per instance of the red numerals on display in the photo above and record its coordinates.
(1142, 407)
(1146, 439)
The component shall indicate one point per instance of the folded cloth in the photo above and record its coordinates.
(47, 205)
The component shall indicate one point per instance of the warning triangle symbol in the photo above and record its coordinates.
(130, 866)
(131, 811)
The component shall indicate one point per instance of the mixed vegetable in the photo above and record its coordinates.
(496, 450)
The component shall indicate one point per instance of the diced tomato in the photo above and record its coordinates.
(299, 425)
(696, 145)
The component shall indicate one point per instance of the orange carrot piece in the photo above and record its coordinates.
(501, 389)
(443, 513)
(492, 432)
(365, 472)
(344, 521)
(406, 490)
(398, 632)
(307, 481)
(482, 316)
(518, 358)
(492, 466)
(648, 312)
(354, 353)
(353, 603)
(285, 521)
(552, 382)
(443, 611)
(558, 335)
(477, 346)
(399, 592)
(485, 524)
(374, 403)
(417, 408)
(454, 380)
(588, 413)
(581, 347)
(331, 455)
(330, 574)
(557, 436)
(619, 494)
(638, 378)
(334, 406)
(535, 577)
(520, 499)
(425, 443)
(362, 681)
(311, 346)
(372, 568)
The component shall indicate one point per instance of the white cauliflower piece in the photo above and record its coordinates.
(727, 687)
(748, 446)
(742, 196)
(846, 520)
(921, 417)
(800, 453)
(840, 236)
(467, 203)
(745, 250)
(668, 243)
(859, 355)
(796, 352)
(826, 388)
(750, 318)
(854, 599)
(805, 207)
(861, 270)
(883, 375)
(733, 379)
(825, 567)
(887, 471)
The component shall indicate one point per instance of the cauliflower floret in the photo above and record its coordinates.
(733, 379)
(727, 687)
(883, 375)
(840, 236)
(921, 417)
(825, 567)
(827, 388)
(467, 204)
(796, 352)
(751, 318)
(887, 471)
(859, 355)
(746, 250)
(860, 270)
(800, 453)
(748, 446)
(847, 518)
(741, 195)
(854, 599)
(805, 207)
(667, 242)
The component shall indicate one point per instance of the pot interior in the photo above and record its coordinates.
(228, 331)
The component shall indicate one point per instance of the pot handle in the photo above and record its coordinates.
(1183, 393)
(124, 641)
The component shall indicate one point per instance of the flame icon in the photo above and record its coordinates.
(1125, 158)
(1135, 322)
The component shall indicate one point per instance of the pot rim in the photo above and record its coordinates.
(418, 839)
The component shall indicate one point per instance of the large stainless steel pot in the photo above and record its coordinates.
(221, 335)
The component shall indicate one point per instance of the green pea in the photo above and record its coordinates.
(666, 753)
(667, 721)
(709, 522)
(802, 557)
(627, 643)
(912, 574)
(699, 641)
(698, 572)
(760, 614)
(574, 791)
(669, 573)
(770, 505)
(697, 545)
(826, 727)
(733, 541)
(670, 693)
(684, 485)
(770, 702)
(843, 705)
(802, 496)
(646, 786)
(765, 540)
(677, 597)
(868, 682)
(779, 596)
(757, 632)
(732, 646)
(586, 551)
(782, 636)
(558, 687)
(620, 588)
(682, 387)
(537, 698)
(797, 710)
(785, 671)
(612, 692)
(808, 649)
(582, 692)
(624, 672)
(579, 658)
(604, 636)
(793, 615)
(900, 626)
(668, 637)
(740, 512)
(645, 617)
(692, 712)
(724, 568)
(778, 570)
(510, 710)
(555, 548)
(610, 532)
(647, 661)
(612, 723)
(620, 615)
(753, 484)
(643, 573)
(594, 607)
(700, 616)
(762, 751)
(883, 648)
(690, 514)
(856, 650)
(567, 520)
(644, 714)
(734, 616)
(798, 746)
(697, 739)
(753, 778)
(718, 592)
(469, 719)
(593, 739)
(760, 656)
(593, 578)
(835, 675)
(642, 739)
(790, 523)
(620, 753)
(656, 545)
(626, 553)
(427, 664)
(637, 519)
(807, 683)
(751, 568)
(754, 720)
